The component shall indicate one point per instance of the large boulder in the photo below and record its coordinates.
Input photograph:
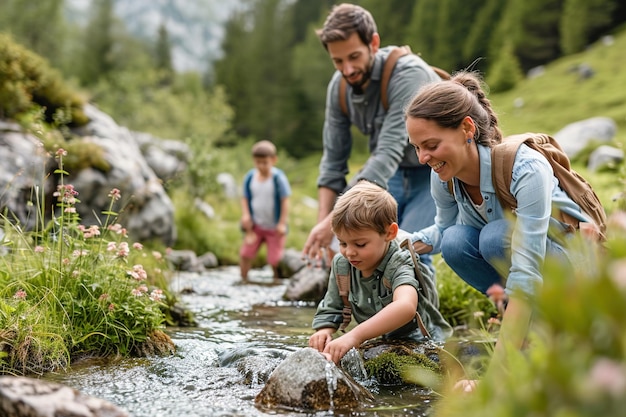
(574, 137)
(23, 163)
(145, 209)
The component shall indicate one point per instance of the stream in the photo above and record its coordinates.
(202, 378)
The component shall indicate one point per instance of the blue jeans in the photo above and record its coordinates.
(416, 208)
(477, 255)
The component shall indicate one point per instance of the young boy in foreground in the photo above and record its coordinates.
(383, 292)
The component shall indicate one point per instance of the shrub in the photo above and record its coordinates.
(28, 79)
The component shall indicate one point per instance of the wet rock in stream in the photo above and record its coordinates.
(305, 380)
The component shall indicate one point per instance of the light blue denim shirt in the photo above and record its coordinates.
(388, 140)
(536, 190)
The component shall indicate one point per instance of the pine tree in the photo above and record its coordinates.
(164, 55)
(39, 27)
(582, 20)
(97, 60)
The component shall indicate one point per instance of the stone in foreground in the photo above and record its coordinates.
(29, 397)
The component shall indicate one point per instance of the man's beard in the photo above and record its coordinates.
(357, 87)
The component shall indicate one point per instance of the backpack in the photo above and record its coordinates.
(576, 187)
(427, 293)
(390, 63)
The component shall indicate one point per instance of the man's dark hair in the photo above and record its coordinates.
(344, 20)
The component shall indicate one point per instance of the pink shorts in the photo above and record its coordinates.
(275, 245)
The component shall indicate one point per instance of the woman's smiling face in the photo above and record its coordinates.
(445, 150)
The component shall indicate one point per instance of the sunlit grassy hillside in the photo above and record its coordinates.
(560, 96)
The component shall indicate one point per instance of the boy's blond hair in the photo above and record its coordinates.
(263, 148)
(366, 206)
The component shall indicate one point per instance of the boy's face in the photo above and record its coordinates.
(264, 164)
(365, 249)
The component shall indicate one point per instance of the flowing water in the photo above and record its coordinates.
(237, 324)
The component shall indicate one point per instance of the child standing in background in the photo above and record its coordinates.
(265, 207)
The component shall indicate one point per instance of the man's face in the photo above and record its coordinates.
(354, 59)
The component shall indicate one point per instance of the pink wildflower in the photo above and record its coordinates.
(103, 296)
(137, 246)
(123, 250)
(61, 152)
(66, 194)
(80, 252)
(115, 194)
(111, 307)
(91, 232)
(39, 249)
(156, 295)
(136, 292)
(138, 273)
(20, 295)
(609, 376)
(111, 247)
(157, 255)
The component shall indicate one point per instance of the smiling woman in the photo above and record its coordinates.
(454, 129)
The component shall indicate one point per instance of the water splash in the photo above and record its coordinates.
(331, 382)
(353, 364)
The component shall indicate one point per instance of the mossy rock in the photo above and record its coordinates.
(387, 361)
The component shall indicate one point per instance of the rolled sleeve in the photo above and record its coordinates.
(337, 141)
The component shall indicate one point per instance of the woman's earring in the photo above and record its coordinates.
(469, 140)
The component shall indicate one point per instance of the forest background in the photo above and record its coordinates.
(268, 81)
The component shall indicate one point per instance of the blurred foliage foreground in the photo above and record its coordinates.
(575, 360)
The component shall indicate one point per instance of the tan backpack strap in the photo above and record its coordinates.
(406, 243)
(502, 158)
(443, 74)
(342, 275)
(390, 63)
(342, 96)
(420, 323)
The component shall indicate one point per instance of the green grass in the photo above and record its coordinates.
(559, 97)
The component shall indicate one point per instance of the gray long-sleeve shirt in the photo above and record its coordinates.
(388, 143)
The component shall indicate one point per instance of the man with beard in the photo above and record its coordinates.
(350, 37)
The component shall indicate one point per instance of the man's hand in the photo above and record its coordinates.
(318, 241)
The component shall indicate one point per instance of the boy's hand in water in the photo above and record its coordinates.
(321, 338)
